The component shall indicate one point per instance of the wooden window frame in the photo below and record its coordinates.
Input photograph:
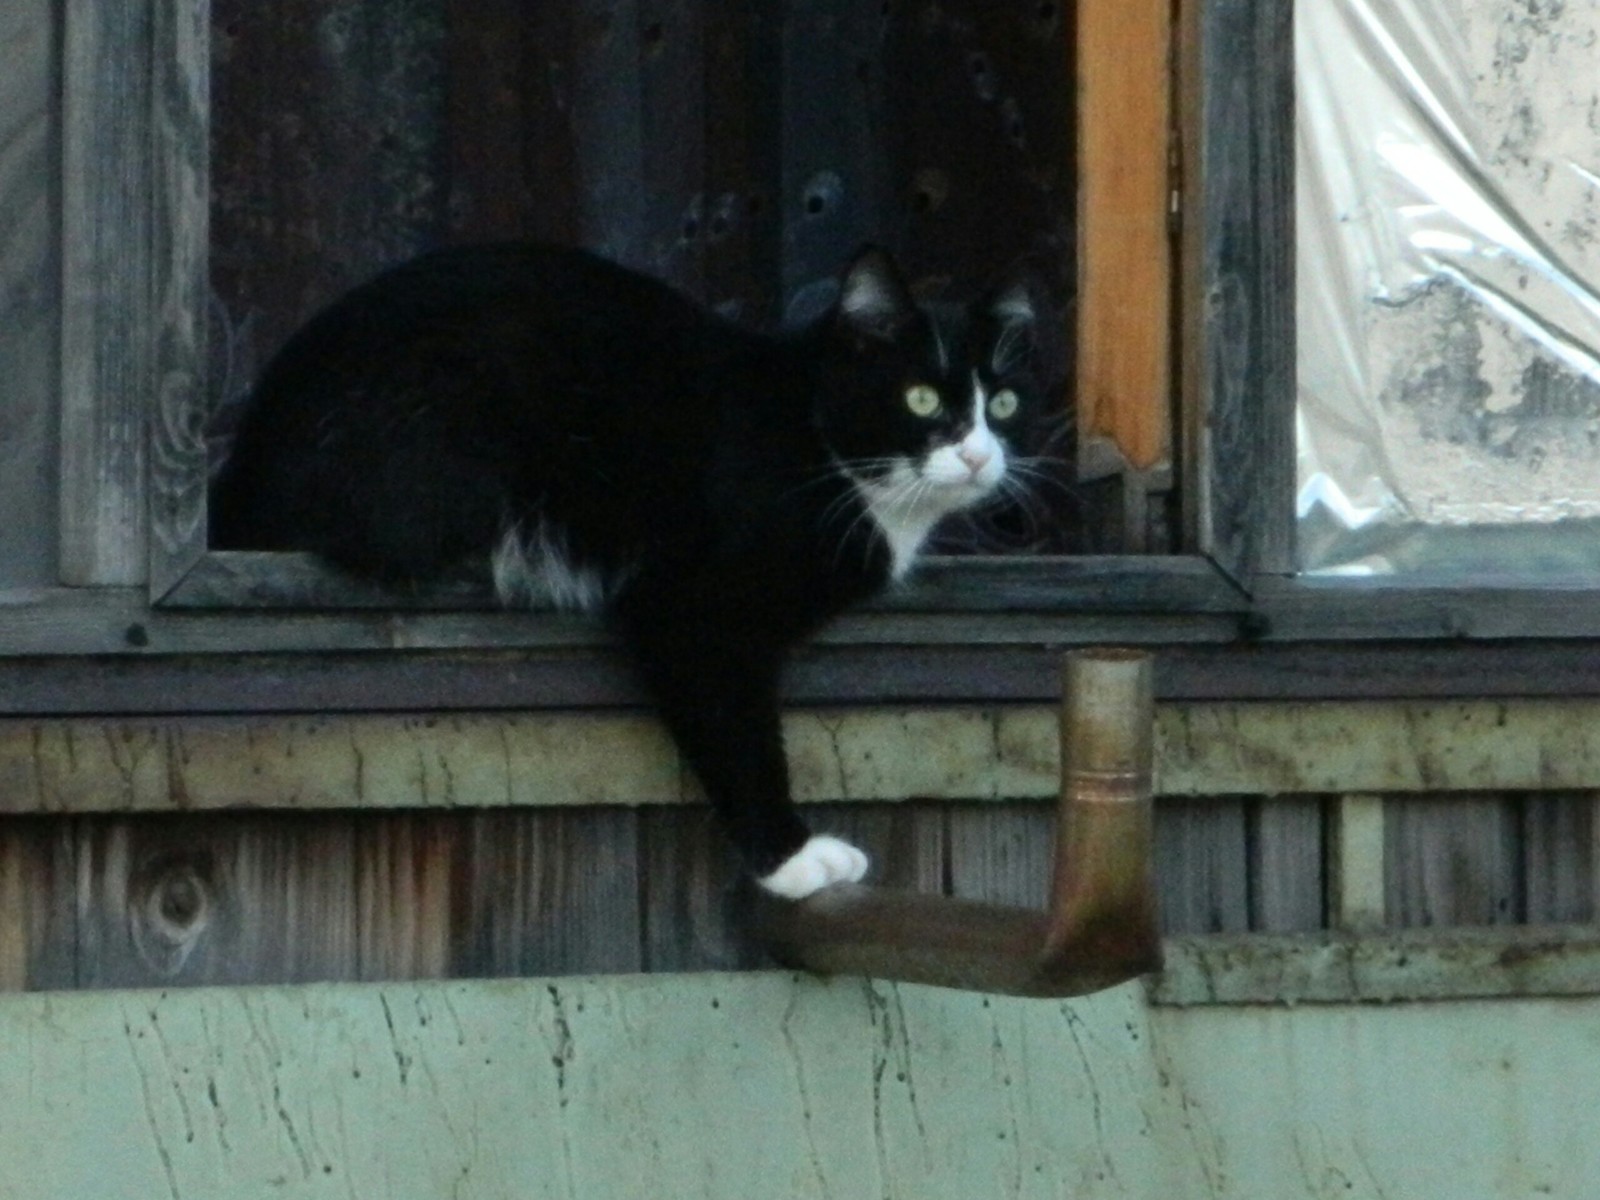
(1230, 616)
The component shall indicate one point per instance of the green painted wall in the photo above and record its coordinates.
(754, 1086)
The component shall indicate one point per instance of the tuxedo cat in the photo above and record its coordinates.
(594, 440)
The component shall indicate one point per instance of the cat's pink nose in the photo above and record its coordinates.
(975, 459)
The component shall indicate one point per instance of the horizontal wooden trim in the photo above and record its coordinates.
(1397, 964)
(976, 603)
(1102, 584)
(148, 683)
(572, 758)
(1301, 609)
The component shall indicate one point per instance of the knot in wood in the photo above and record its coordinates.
(171, 906)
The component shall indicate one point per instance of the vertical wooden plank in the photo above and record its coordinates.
(404, 874)
(979, 132)
(1002, 855)
(743, 160)
(608, 129)
(671, 78)
(1452, 860)
(1237, 58)
(1125, 249)
(834, 169)
(215, 900)
(1286, 864)
(1558, 831)
(30, 304)
(328, 121)
(492, 85)
(108, 329)
(1356, 883)
(550, 150)
(38, 910)
(1202, 866)
(691, 895)
(546, 892)
(181, 188)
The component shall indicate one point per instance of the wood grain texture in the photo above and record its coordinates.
(179, 403)
(1002, 856)
(1125, 257)
(1238, 288)
(739, 225)
(1357, 863)
(1286, 864)
(30, 299)
(1558, 864)
(38, 917)
(233, 899)
(109, 326)
(834, 173)
(549, 892)
(228, 668)
(214, 901)
(1089, 583)
(1452, 860)
(858, 755)
(406, 869)
(1202, 866)
(692, 897)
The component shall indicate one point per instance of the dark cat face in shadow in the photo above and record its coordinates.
(929, 407)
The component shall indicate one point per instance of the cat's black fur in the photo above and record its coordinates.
(704, 485)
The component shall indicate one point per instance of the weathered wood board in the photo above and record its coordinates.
(30, 300)
(729, 1087)
(568, 758)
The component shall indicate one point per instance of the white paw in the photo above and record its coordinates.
(821, 861)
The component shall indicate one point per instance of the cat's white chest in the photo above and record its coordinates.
(903, 526)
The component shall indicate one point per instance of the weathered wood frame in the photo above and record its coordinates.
(140, 580)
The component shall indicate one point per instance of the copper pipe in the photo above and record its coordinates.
(1101, 928)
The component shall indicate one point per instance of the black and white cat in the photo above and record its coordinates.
(598, 441)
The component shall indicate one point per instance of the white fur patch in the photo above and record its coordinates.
(821, 861)
(534, 568)
(905, 510)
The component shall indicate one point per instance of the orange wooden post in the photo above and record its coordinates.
(1125, 253)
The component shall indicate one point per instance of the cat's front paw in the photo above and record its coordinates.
(821, 861)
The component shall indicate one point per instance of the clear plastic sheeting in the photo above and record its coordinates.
(1448, 193)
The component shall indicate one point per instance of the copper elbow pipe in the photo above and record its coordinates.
(1101, 927)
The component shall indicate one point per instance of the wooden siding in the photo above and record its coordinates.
(30, 303)
(108, 327)
(195, 850)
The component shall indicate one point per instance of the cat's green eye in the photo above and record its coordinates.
(922, 400)
(1003, 405)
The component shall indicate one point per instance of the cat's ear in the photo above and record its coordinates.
(1014, 308)
(873, 297)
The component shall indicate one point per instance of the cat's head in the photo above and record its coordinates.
(927, 406)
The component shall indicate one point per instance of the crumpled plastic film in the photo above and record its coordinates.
(1448, 308)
